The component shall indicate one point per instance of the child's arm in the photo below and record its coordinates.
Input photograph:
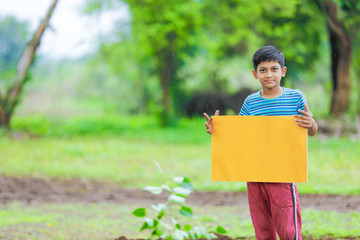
(208, 124)
(307, 121)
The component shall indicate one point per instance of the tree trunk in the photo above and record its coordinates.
(9, 101)
(167, 68)
(4, 119)
(341, 49)
(165, 87)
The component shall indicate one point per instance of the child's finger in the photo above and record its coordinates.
(302, 121)
(300, 116)
(207, 116)
(304, 125)
(305, 113)
(217, 113)
(210, 121)
(306, 108)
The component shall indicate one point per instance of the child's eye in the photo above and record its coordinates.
(274, 69)
(262, 70)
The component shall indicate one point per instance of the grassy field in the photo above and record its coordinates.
(109, 221)
(123, 150)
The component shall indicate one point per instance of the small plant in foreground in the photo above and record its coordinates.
(165, 225)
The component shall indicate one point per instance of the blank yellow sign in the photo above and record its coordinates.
(258, 149)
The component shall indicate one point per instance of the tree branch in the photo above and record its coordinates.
(27, 59)
(330, 19)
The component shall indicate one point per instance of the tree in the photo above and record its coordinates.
(217, 31)
(342, 21)
(297, 30)
(10, 95)
(165, 30)
(13, 35)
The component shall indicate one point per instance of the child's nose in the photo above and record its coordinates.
(268, 74)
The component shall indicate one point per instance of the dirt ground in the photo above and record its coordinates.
(33, 190)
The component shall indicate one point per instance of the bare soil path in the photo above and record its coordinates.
(35, 190)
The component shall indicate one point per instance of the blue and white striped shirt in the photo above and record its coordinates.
(287, 104)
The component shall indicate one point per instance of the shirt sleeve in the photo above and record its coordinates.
(301, 102)
(245, 110)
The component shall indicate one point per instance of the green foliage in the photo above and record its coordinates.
(61, 127)
(140, 212)
(13, 37)
(198, 45)
(165, 224)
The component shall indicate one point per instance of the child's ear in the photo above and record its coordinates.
(283, 71)
(255, 74)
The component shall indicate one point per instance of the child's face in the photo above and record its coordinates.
(269, 74)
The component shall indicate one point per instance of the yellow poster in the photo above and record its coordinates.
(258, 149)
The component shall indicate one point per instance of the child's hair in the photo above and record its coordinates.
(267, 54)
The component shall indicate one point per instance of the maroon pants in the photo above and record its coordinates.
(274, 209)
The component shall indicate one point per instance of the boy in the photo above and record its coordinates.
(274, 207)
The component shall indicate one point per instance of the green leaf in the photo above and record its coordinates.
(220, 229)
(183, 182)
(176, 199)
(191, 235)
(150, 222)
(183, 192)
(187, 227)
(140, 212)
(178, 179)
(200, 232)
(161, 214)
(158, 167)
(186, 211)
(167, 226)
(167, 188)
(159, 208)
(178, 226)
(187, 185)
(179, 235)
(144, 226)
(212, 236)
(165, 236)
(174, 221)
(153, 190)
(157, 232)
(186, 180)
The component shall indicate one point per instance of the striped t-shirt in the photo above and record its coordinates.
(287, 104)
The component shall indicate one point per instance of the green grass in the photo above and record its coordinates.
(123, 150)
(109, 221)
(126, 156)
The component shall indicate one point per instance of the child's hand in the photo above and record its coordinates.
(208, 124)
(306, 121)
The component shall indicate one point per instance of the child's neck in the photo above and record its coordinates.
(272, 93)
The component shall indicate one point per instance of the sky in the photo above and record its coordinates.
(72, 34)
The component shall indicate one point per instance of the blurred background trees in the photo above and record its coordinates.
(15, 68)
(172, 52)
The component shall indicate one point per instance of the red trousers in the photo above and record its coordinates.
(275, 209)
